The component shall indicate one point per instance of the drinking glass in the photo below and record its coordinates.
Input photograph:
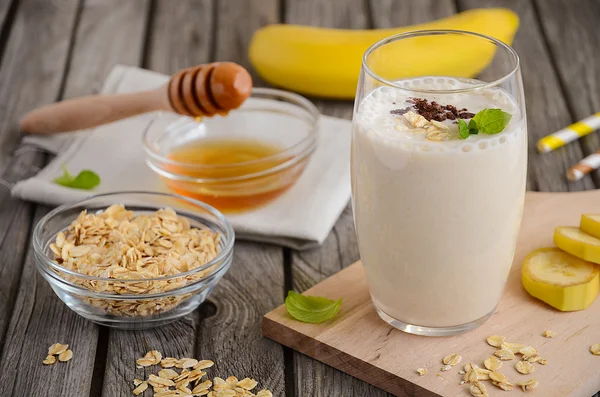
(438, 216)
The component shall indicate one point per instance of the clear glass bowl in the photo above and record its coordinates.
(280, 119)
(86, 295)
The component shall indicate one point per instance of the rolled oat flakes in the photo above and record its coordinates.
(118, 245)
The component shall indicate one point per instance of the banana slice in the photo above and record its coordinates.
(590, 223)
(560, 279)
(578, 243)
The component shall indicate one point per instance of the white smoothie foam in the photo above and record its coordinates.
(374, 112)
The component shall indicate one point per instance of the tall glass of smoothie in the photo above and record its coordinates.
(439, 160)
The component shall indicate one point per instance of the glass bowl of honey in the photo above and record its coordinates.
(239, 161)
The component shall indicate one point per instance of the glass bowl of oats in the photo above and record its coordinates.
(133, 260)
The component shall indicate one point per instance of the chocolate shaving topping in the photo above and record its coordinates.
(400, 111)
(434, 111)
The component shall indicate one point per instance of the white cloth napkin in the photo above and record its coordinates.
(301, 218)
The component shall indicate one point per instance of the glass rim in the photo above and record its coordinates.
(39, 243)
(289, 97)
(435, 32)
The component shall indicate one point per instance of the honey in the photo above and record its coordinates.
(225, 172)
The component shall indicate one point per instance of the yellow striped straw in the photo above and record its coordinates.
(569, 134)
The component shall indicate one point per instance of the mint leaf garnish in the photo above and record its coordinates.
(85, 180)
(491, 121)
(311, 309)
(473, 127)
(463, 129)
(488, 121)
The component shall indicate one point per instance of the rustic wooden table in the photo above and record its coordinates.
(50, 50)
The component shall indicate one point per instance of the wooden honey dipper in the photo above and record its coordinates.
(203, 90)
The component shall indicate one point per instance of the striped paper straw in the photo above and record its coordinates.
(569, 134)
(584, 167)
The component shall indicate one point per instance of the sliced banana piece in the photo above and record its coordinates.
(590, 223)
(560, 279)
(574, 241)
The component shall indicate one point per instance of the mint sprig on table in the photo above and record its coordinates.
(85, 180)
(311, 309)
(486, 121)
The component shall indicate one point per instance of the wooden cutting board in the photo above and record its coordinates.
(359, 343)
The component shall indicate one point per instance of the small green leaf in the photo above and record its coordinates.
(463, 129)
(85, 180)
(311, 309)
(473, 130)
(491, 121)
(66, 177)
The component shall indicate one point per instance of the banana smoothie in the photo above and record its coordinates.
(438, 185)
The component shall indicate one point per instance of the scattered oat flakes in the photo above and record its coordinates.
(524, 367)
(528, 351)
(168, 362)
(157, 380)
(595, 349)
(504, 355)
(542, 361)
(452, 359)
(170, 383)
(532, 358)
(462, 382)
(498, 377)
(513, 347)
(495, 340)
(49, 360)
(461, 372)
(471, 376)
(65, 356)
(549, 334)
(204, 364)
(141, 387)
(422, 371)
(186, 363)
(446, 368)
(506, 386)
(492, 363)
(477, 389)
(247, 384)
(529, 385)
(202, 386)
(168, 373)
(57, 348)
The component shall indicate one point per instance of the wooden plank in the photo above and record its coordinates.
(95, 52)
(167, 52)
(571, 31)
(226, 329)
(39, 320)
(358, 342)
(5, 19)
(32, 64)
(546, 107)
(181, 35)
(232, 336)
(255, 283)
(109, 32)
(31, 73)
(236, 21)
(340, 248)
